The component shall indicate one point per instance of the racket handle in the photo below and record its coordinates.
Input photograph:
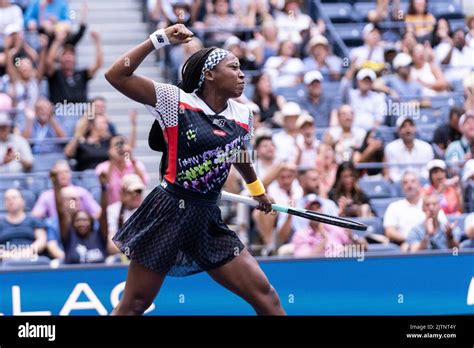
(232, 197)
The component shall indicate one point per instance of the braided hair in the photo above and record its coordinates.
(190, 73)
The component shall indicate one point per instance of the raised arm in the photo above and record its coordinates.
(63, 216)
(103, 224)
(121, 73)
(99, 55)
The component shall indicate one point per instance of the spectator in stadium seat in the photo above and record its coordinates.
(292, 23)
(446, 133)
(15, 152)
(441, 33)
(252, 13)
(371, 53)
(345, 138)
(350, 198)
(45, 206)
(319, 239)
(84, 238)
(403, 215)
(468, 186)
(469, 231)
(315, 101)
(18, 229)
(90, 145)
(44, 14)
(428, 74)
(121, 162)
(222, 21)
(99, 107)
(457, 54)
(419, 20)
(266, 43)
(408, 42)
(470, 27)
(285, 190)
(407, 151)
(326, 166)
(40, 125)
(320, 58)
(23, 78)
(10, 14)
(131, 196)
(266, 165)
(307, 144)
(367, 105)
(268, 102)
(433, 232)
(371, 151)
(286, 139)
(461, 150)
(401, 84)
(239, 49)
(68, 84)
(450, 197)
(285, 69)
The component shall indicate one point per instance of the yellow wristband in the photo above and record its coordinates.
(256, 188)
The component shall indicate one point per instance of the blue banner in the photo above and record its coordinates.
(436, 284)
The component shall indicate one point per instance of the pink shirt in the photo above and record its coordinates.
(306, 240)
(116, 175)
(45, 206)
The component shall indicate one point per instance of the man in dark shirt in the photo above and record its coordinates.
(66, 84)
(448, 132)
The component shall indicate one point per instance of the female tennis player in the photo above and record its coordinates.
(178, 230)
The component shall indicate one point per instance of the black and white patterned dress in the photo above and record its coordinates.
(178, 229)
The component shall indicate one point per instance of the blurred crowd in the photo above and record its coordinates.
(379, 130)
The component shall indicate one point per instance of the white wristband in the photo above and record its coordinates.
(159, 39)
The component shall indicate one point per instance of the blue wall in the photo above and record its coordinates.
(398, 285)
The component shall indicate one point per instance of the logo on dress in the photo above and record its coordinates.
(191, 134)
(219, 133)
(219, 122)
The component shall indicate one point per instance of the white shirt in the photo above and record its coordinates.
(281, 197)
(113, 216)
(397, 152)
(309, 154)
(361, 54)
(284, 74)
(22, 150)
(345, 145)
(404, 216)
(10, 15)
(286, 148)
(367, 109)
(290, 27)
(461, 62)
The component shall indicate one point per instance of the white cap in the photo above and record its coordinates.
(132, 182)
(468, 170)
(231, 41)
(290, 109)
(368, 28)
(436, 163)
(303, 119)
(402, 119)
(401, 60)
(311, 76)
(318, 40)
(5, 120)
(366, 72)
(464, 117)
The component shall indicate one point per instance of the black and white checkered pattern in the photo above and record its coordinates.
(212, 60)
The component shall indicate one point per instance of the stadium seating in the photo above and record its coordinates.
(340, 12)
(377, 188)
(44, 162)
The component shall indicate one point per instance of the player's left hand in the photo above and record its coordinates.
(265, 203)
